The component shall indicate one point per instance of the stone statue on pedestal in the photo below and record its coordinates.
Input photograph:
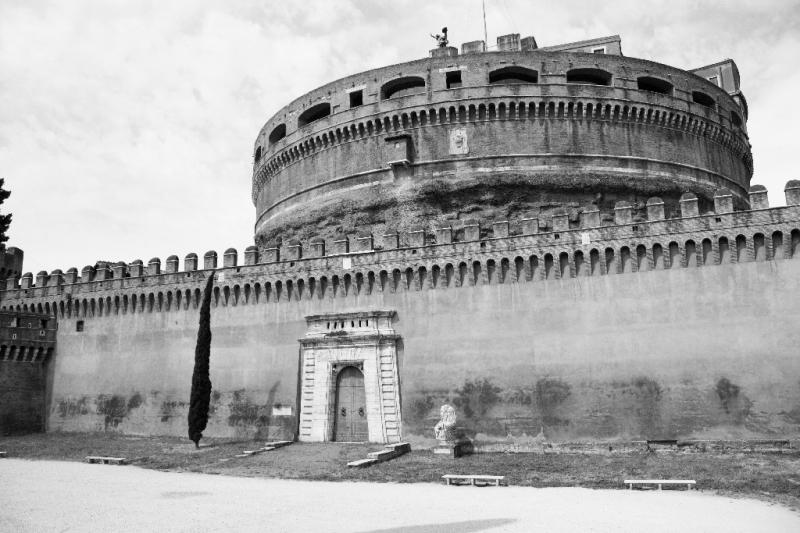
(444, 430)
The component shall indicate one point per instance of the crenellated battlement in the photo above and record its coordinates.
(470, 253)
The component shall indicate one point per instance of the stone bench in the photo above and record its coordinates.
(105, 460)
(659, 482)
(474, 479)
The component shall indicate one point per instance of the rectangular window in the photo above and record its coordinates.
(79, 325)
(453, 79)
(599, 50)
(42, 324)
(356, 98)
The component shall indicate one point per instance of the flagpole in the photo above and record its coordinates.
(485, 34)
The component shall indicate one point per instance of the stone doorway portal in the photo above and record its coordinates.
(351, 407)
(350, 361)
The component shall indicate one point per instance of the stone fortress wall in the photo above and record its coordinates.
(552, 240)
(541, 129)
(681, 327)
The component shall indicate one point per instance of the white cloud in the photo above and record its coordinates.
(126, 128)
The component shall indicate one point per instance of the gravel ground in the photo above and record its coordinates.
(68, 496)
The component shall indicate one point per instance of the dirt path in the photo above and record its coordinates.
(62, 496)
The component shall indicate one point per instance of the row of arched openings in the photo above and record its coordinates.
(545, 109)
(24, 354)
(596, 261)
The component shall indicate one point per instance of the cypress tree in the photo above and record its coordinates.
(201, 383)
(5, 220)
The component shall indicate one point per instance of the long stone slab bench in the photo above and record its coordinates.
(105, 460)
(473, 479)
(631, 482)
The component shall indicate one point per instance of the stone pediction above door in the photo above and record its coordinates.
(350, 386)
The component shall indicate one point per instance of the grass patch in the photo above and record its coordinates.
(770, 476)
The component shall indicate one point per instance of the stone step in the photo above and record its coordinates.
(361, 463)
(277, 444)
(400, 447)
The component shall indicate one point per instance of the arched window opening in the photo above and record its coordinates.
(691, 254)
(741, 249)
(795, 247)
(703, 99)
(504, 269)
(476, 273)
(626, 260)
(580, 264)
(654, 85)
(313, 113)
(513, 75)
(405, 86)
(563, 265)
(533, 261)
(724, 251)
(708, 257)
(777, 246)
(258, 154)
(642, 264)
(759, 247)
(277, 133)
(611, 261)
(548, 267)
(591, 76)
(594, 263)
(736, 119)
(674, 255)
(519, 268)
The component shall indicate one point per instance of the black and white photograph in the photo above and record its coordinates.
(380, 266)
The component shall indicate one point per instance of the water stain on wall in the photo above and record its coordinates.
(168, 408)
(475, 398)
(549, 394)
(733, 402)
(113, 407)
(70, 407)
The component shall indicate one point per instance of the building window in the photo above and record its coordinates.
(654, 85)
(599, 50)
(590, 76)
(79, 325)
(453, 79)
(511, 75)
(356, 98)
(43, 324)
(278, 133)
(313, 114)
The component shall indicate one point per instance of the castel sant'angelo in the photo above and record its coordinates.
(561, 242)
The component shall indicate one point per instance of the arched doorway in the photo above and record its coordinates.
(351, 407)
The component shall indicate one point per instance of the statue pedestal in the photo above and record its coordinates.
(454, 448)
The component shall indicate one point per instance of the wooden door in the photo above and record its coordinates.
(351, 407)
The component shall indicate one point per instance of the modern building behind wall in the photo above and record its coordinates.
(557, 240)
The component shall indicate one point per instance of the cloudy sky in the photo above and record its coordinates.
(126, 128)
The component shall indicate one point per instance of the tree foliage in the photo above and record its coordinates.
(5, 220)
(200, 397)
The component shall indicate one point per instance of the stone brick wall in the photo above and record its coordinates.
(549, 141)
(27, 342)
(661, 327)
